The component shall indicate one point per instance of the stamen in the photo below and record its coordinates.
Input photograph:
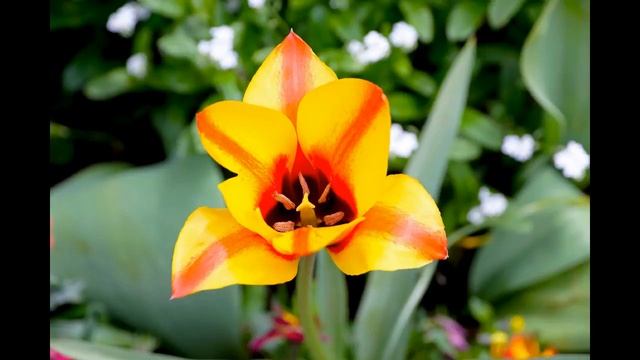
(325, 193)
(334, 218)
(284, 226)
(281, 198)
(303, 184)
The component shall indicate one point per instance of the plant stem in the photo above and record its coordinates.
(304, 292)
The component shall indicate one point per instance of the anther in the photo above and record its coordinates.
(325, 193)
(281, 198)
(284, 226)
(303, 184)
(334, 218)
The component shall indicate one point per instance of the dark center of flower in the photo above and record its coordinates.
(307, 201)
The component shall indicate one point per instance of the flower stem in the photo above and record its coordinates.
(304, 292)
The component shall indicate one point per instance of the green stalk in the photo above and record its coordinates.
(304, 289)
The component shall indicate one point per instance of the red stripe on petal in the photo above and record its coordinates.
(213, 134)
(400, 228)
(295, 74)
(375, 99)
(187, 280)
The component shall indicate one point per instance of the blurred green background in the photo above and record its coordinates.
(127, 169)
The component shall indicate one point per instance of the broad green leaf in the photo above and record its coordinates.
(332, 302)
(387, 292)
(116, 233)
(557, 309)
(84, 350)
(555, 65)
(168, 8)
(110, 84)
(558, 240)
(419, 15)
(501, 11)
(405, 107)
(482, 129)
(464, 19)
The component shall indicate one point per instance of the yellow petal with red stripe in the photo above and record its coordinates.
(247, 139)
(308, 240)
(343, 129)
(286, 75)
(403, 230)
(214, 251)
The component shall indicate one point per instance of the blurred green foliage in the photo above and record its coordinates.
(115, 224)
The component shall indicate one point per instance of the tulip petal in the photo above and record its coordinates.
(307, 240)
(343, 129)
(286, 75)
(214, 251)
(247, 139)
(403, 230)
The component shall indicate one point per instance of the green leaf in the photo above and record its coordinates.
(169, 120)
(482, 129)
(387, 292)
(181, 78)
(332, 301)
(464, 19)
(85, 65)
(501, 11)
(115, 231)
(429, 162)
(419, 15)
(83, 350)
(110, 84)
(405, 107)
(555, 65)
(420, 82)
(557, 310)
(464, 150)
(169, 8)
(178, 44)
(514, 260)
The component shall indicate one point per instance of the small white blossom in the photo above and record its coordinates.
(256, 4)
(403, 143)
(137, 65)
(519, 148)
(373, 48)
(573, 160)
(123, 21)
(491, 205)
(404, 36)
(220, 47)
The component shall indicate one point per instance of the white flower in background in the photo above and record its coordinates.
(137, 65)
(403, 143)
(123, 21)
(256, 4)
(220, 48)
(373, 48)
(518, 147)
(491, 205)
(403, 36)
(573, 160)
